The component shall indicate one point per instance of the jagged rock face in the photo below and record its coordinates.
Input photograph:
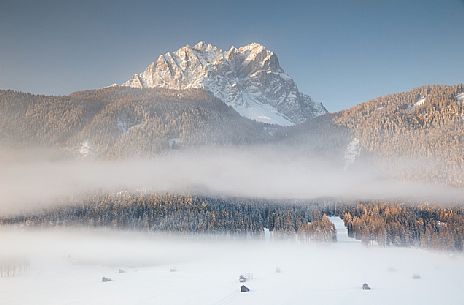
(248, 78)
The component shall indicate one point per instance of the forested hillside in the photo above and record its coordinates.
(425, 124)
(122, 122)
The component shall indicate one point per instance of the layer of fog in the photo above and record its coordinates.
(35, 179)
(67, 266)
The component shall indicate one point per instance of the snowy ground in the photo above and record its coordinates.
(66, 267)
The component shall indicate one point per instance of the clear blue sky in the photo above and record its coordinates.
(339, 52)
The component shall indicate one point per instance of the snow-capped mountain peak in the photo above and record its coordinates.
(248, 78)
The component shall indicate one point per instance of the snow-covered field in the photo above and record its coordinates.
(66, 267)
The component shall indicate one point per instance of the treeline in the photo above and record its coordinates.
(406, 225)
(177, 213)
(382, 223)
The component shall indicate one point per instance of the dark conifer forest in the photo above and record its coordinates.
(372, 222)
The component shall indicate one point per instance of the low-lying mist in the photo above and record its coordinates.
(114, 267)
(39, 178)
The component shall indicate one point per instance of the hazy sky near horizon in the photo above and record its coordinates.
(339, 52)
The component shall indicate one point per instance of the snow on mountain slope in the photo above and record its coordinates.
(419, 102)
(460, 97)
(352, 152)
(248, 78)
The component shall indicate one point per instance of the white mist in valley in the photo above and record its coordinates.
(68, 267)
(39, 179)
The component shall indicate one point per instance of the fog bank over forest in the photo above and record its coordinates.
(40, 178)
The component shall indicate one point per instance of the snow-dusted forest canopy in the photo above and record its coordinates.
(383, 223)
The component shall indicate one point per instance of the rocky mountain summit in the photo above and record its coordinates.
(249, 79)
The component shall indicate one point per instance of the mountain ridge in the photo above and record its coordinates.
(248, 78)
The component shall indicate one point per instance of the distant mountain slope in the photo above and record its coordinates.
(426, 123)
(123, 121)
(424, 128)
(248, 78)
